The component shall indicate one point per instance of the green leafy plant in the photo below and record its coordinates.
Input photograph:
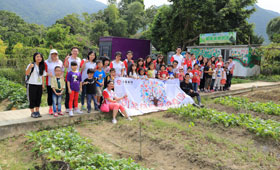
(67, 145)
(239, 102)
(264, 128)
(14, 92)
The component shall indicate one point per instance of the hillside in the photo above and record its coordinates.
(261, 18)
(46, 12)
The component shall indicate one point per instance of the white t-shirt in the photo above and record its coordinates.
(118, 67)
(214, 74)
(88, 65)
(133, 75)
(179, 58)
(50, 66)
(108, 94)
(71, 59)
(219, 72)
(35, 77)
(142, 76)
(191, 76)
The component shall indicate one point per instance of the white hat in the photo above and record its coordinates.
(219, 64)
(53, 51)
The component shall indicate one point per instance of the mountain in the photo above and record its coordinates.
(261, 18)
(46, 12)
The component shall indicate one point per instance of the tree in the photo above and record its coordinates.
(3, 48)
(74, 22)
(273, 30)
(134, 17)
(99, 29)
(123, 5)
(188, 19)
(56, 34)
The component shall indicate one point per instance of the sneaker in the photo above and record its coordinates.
(78, 111)
(50, 111)
(114, 121)
(129, 118)
(55, 114)
(88, 111)
(201, 105)
(71, 113)
(38, 114)
(60, 113)
(83, 107)
(67, 110)
(33, 114)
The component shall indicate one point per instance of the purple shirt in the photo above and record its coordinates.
(74, 78)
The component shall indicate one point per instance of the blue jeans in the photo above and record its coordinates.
(83, 95)
(56, 102)
(91, 97)
(195, 87)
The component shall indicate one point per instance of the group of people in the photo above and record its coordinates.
(94, 79)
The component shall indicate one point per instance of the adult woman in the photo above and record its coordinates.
(213, 60)
(50, 64)
(35, 72)
(147, 62)
(118, 65)
(220, 60)
(159, 62)
(90, 62)
(199, 60)
(112, 100)
(67, 64)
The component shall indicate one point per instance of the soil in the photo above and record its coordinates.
(4, 104)
(168, 142)
(264, 95)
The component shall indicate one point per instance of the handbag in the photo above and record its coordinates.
(104, 107)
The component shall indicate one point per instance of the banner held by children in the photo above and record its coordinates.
(150, 95)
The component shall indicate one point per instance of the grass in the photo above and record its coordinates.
(261, 77)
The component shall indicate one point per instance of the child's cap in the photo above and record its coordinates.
(219, 64)
(181, 68)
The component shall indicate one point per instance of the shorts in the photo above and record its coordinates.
(208, 82)
(98, 91)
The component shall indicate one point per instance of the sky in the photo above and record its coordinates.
(273, 5)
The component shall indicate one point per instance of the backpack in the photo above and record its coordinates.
(27, 77)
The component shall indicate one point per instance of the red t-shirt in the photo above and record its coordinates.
(219, 62)
(163, 74)
(196, 76)
(188, 63)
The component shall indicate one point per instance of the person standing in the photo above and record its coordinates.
(178, 57)
(231, 68)
(220, 60)
(67, 64)
(52, 62)
(89, 63)
(118, 65)
(128, 62)
(57, 85)
(158, 62)
(90, 84)
(35, 72)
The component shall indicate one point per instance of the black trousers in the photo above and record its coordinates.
(66, 96)
(35, 95)
(49, 90)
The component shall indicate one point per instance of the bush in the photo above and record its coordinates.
(13, 74)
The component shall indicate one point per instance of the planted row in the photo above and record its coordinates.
(264, 128)
(67, 145)
(270, 108)
(14, 92)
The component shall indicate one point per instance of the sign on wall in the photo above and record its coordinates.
(218, 38)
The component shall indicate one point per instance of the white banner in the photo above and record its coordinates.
(151, 95)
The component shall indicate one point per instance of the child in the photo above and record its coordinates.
(224, 78)
(152, 72)
(106, 67)
(90, 84)
(133, 71)
(163, 74)
(110, 77)
(218, 78)
(202, 78)
(142, 74)
(170, 71)
(74, 84)
(57, 85)
(213, 77)
(100, 75)
(140, 64)
(181, 74)
(175, 69)
(196, 77)
(189, 71)
(208, 76)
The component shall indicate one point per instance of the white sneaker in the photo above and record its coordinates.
(78, 111)
(114, 121)
(129, 118)
(71, 113)
(67, 110)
